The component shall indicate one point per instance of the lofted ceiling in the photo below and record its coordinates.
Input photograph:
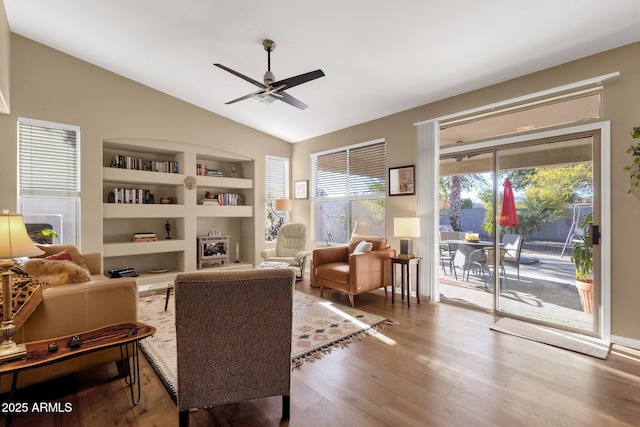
(380, 57)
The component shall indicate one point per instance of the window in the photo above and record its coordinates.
(349, 185)
(49, 178)
(276, 186)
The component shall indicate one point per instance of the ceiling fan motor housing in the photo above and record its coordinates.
(269, 78)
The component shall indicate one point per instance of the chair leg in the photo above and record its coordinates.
(183, 418)
(321, 290)
(286, 407)
(351, 300)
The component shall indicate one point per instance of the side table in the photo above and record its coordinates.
(405, 274)
(123, 335)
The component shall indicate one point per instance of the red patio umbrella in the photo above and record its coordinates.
(508, 213)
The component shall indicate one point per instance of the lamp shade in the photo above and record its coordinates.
(406, 227)
(14, 239)
(283, 204)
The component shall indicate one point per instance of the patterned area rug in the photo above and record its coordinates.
(318, 327)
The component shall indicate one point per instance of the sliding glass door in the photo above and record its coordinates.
(510, 216)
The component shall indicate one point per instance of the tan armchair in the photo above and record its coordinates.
(233, 337)
(291, 247)
(338, 267)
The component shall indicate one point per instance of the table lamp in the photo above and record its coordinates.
(283, 205)
(14, 243)
(406, 228)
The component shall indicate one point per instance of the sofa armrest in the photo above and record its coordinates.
(77, 307)
(93, 261)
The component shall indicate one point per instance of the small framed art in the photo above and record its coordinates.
(301, 189)
(401, 181)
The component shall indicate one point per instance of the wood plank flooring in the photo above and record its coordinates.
(439, 366)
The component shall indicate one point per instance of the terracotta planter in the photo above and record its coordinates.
(585, 290)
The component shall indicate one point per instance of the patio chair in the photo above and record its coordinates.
(484, 259)
(512, 244)
(446, 257)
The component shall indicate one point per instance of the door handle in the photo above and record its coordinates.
(594, 234)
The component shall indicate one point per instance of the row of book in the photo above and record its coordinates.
(225, 199)
(144, 237)
(203, 170)
(129, 162)
(131, 196)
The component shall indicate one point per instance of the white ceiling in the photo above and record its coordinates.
(380, 57)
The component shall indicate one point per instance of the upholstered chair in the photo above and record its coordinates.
(353, 269)
(291, 247)
(233, 337)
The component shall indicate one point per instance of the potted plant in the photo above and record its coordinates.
(582, 257)
(44, 236)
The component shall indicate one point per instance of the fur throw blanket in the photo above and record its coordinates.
(56, 272)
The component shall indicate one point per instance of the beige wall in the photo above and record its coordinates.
(5, 51)
(49, 85)
(621, 102)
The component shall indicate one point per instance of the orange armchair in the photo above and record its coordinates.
(345, 269)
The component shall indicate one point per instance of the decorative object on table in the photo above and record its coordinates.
(634, 167)
(14, 243)
(406, 229)
(301, 189)
(167, 227)
(233, 173)
(158, 270)
(190, 182)
(472, 237)
(401, 181)
(214, 232)
(167, 200)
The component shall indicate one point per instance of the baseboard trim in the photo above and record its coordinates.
(627, 342)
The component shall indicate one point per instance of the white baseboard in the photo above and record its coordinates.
(627, 342)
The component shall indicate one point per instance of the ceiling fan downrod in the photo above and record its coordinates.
(269, 77)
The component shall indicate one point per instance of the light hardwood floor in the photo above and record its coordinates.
(439, 366)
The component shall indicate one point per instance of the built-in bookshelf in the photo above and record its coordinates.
(161, 187)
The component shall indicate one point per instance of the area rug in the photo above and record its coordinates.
(568, 340)
(318, 327)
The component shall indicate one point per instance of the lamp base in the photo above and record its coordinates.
(406, 248)
(9, 350)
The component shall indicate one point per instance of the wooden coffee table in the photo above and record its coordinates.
(123, 335)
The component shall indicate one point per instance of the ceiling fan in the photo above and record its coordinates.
(271, 90)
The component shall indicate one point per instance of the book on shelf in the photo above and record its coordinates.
(144, 239)
(210, 202)
(121, 161)
(144, 235)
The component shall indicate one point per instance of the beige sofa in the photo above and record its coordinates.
(73, 308)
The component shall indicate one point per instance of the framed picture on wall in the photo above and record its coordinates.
(301, 190)
(401, 181)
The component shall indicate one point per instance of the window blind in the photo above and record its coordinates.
(276, 178)
(48, 159)
(360, 170)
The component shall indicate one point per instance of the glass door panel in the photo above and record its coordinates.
(466, 229)
(538, 224)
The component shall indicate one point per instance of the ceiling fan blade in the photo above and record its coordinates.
(298, 80)
(292, 101)
(242, 98)
(242, 76)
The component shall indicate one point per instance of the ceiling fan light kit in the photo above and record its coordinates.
(271, 90)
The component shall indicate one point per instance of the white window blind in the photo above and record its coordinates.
(276, 186)
(348, 186)
(360, 170)
(48, 159)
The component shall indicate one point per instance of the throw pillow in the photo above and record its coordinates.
(363, 246)
(56, 272)
(54, 249)
(61, 256)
